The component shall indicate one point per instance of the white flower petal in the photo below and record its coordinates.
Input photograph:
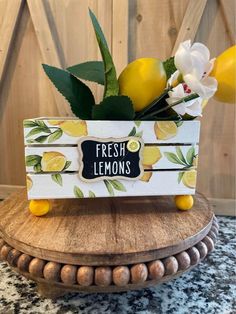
(171, 100)
(180, 108)
(205, 88)
(195, 109)
(201, 49)
(173, 78)
(183, 60)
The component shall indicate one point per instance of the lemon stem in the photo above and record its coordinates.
(155, 101)
(184, 99)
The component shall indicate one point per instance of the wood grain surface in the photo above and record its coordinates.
(104, 231)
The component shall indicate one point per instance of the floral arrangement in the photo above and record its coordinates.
(148, 89)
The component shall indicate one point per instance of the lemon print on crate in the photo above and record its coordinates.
(53, 161)
(133, 146)
(74, 128)
(189, 179)
(165, 129)
(55, 122)
(151, 155)
(29, 183)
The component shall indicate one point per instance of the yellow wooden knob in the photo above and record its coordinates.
(39, 207)
(184, 202)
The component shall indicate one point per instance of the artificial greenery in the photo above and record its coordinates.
(113, 106)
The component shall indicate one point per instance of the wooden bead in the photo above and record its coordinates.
(13, 256)
(215, 230)
(156, 270)
(36, 267)
(85, 276)
(52, 271)
(4, 252)
(23, 262)
(139, 273)
(171, 265)
(212, 235)
(103, 276)
(209, 243)
(194, 255)
(121, 276)
(68, 274)
(183, 260)
(202, 248)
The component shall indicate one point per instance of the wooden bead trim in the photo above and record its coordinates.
(106, 276)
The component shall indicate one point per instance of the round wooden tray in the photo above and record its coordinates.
(105, 245)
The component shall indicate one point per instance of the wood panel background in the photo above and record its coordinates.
(59, 32)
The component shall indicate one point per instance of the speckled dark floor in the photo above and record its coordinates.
(209, 288)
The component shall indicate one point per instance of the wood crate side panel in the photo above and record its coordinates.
(154, 157)
(156, 183)
(68, 132)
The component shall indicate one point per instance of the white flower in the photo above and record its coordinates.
(194, 64)
(192, 107)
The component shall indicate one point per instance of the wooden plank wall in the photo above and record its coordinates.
(134, 29)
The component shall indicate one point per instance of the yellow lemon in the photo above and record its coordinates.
(184, 202)
(53, 161)
(29, 183)
(147, 174)
(151, 155)
(55, 122)
(189, 179)
(165, 129)
(133, 146)
(74, 128)
(39, 207)
(143, 80)
(224, 71)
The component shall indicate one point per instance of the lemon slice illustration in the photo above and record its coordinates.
(29, 183)
(133, 146)
(189, 179)
(74, 128)
(53, 161)
(165, 129)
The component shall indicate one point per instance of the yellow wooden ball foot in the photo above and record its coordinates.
(184, 202)
(39, 207)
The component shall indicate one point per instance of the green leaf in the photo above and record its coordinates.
(178, 123)
(132, 132)
(41, 139)
(180, 176)
(32, 160)
(169, 66)
(78, 192)
(111, 82)
(180, 154)
(76, 92)
(137, 123)
(190, 155)
(41, 123)
(67, 165)
(57, 178)
(109, 187)
(114, 108)
(38, 168)
(34, 131)
(55, 136)
(92, 194)
(29, 123)
(173, 158)
(118, 185)
(139, 134)
(90, 71)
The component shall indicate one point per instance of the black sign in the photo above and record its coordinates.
(110, 158)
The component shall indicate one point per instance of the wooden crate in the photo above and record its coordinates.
(168, 157)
